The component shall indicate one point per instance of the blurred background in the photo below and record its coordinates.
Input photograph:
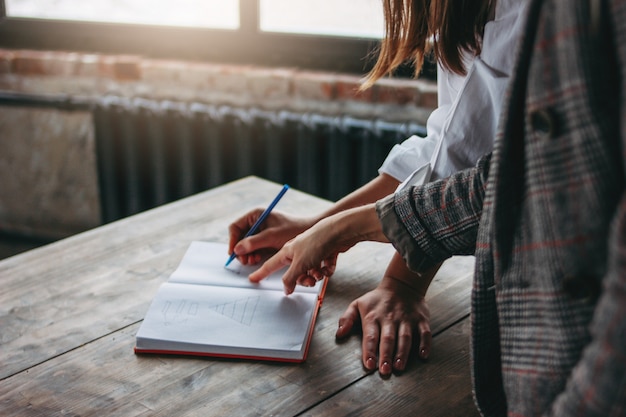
(111, 108)
(320, 17)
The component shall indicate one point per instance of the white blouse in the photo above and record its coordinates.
(462, 128)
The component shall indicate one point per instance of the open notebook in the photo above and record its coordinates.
(206, 309)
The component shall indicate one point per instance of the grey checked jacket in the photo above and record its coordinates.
(545, 216)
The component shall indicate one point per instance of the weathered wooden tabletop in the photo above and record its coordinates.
(69, 312)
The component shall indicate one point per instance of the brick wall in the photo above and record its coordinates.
(95, 75)
(47, 157)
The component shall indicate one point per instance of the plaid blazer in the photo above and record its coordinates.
(545, 216)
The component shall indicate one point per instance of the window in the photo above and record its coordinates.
(335, 35)
(222, 14)
(353, 18)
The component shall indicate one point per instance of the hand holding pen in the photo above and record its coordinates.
(255, 226)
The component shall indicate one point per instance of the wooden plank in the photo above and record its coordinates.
(439, 387)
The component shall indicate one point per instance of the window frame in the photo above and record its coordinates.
(247, 45)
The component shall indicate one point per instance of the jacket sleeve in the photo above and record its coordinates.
(430, 223)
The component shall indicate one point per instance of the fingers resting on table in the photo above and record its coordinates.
(392, 323)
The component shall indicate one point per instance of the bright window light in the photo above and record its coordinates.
(356, 18)
(218, 14)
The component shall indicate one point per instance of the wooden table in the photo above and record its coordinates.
(69, 312)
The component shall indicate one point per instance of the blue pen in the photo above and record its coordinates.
(260, 220)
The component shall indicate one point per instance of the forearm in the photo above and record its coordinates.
(374, 190)
(351, 226)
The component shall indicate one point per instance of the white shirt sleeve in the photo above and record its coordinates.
(416, 152)
(462, 128)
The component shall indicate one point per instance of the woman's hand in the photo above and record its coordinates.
(277, 229)
(393, 317)
(312, 255)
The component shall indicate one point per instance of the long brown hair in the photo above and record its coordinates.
(414, 28)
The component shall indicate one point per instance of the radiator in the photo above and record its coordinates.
(153, 152)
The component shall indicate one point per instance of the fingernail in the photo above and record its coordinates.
(398, 364)
(370, 363)
(339, 332)
(385, 368)
(423, 353)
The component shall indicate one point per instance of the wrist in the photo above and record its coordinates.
(359, 224)
(416, 281)
(399, 285)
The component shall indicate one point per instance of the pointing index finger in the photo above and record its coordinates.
(273, 264)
